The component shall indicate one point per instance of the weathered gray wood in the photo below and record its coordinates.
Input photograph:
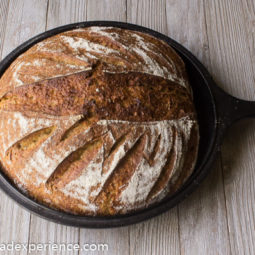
(62, 12)
(44, 231)
(202, 217)
(161, 234)
(25, 19)
(151, 14)
(106, 10)
(186, 24)
(4, 6)
(117, 240)
(232, 56)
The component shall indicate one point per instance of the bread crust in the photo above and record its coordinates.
(98, 121)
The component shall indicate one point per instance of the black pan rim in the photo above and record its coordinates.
(130, 218)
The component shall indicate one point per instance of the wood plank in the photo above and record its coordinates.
(231, 62)
(202, 217)
(25, 19)
(64, 12)
(187, 25)
(117, 239)
(150, 14)
(3, 18)
(159, 235)
(106, 10)
(46, 232)
(248, 13)
(232, 58)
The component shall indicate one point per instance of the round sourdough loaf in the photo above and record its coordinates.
(98, 121)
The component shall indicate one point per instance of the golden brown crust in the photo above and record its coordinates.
(98, 121)
(120, 96)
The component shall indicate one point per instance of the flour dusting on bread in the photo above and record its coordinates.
(98, 121)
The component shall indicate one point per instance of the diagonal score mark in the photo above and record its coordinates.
(28, 144)
(73, 165)
(121, 174)
(166, 170)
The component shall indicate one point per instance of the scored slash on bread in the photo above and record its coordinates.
(122, 96)
(166, 171)
(121, 141)
(72, 166)
(100, 121)
(28, 144)
(78, 127)
(121, 175)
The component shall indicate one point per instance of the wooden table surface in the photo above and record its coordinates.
(219, 218)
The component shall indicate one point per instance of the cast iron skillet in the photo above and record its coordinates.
(216, 112)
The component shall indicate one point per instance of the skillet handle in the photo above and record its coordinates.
(231, 109)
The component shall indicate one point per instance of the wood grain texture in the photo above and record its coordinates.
(232, 58)
(25, 19)
(43, 231)
(62, 12)
(4, 6)
(106, 10)
(219, 218)
(204, 212)
(159, 235)
(150, 14)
